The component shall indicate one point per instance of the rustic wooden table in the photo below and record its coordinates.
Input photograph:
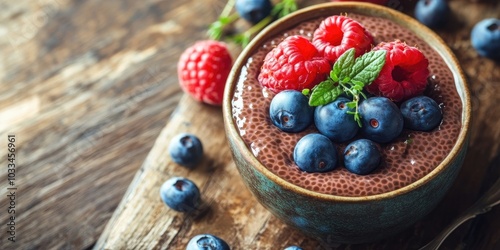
(87, 87)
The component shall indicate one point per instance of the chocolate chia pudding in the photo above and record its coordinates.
(405, 160)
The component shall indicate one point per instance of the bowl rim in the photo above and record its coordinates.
(322, 9)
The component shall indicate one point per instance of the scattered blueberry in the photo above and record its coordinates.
(290, 111)
(333, 121)
(253, 10)
(361, 156)
(315, 153)
(432, 13)
(421, 113)
(381, 119)
(180, 194)
(207, 242)
(186, 150)
(485, 38)
(293, 248)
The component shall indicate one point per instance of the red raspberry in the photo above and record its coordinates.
(336, 34)
(404, 74)
(293, 64)
(203, 70)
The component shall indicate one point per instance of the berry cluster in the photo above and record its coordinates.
(485, 35)
(204, 67)
(182, 194)
(393, 73)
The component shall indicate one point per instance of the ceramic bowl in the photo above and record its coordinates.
(340, 219)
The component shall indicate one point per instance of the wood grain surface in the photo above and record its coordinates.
(89, 88)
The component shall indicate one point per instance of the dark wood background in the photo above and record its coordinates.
(88, 86)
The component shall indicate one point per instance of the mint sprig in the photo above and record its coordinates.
(349, 76)
(216, 29)
(284, 8)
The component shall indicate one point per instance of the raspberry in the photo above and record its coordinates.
(203, 69)
(404, 74)
(336, 34)
(293, 64)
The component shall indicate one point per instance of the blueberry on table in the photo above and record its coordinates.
(421, 113)
(293, 248)
(290, 111)
(432, 13)
(180, 194)
(485, 38)
(333, 121)
(361, 156)
(381, 119)
(207, 242)
(186, 150)
(315, 153)
(253, 10)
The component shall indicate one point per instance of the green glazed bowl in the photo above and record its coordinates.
(337, 219)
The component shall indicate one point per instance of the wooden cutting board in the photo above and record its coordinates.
(231, 212)
(142, 221)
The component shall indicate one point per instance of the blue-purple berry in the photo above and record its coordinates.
(381, 119)
(421, 113)
(432, 13)
(333, 121)
(207, 242)
(293, 248)
(186, 150)
(485, 38)
(180, 194)
(362, 156)
(290, 111)
(253, 10)
(315, 153)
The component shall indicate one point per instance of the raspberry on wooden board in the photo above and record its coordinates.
(203, 69)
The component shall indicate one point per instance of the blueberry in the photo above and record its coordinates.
(253, 10)
(485, 38)
(315, 153)
(290, 111)
(381, 119)
(432, 13)
(361, 156)
(186, 150)
(333, 121)
(207, 242)
(293, 248)
(180, 194)
(421, 113)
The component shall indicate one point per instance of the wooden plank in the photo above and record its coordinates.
(86, 87)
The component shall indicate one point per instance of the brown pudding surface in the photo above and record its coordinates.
(405, 160)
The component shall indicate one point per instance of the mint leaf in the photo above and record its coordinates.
(349, 75)
(367, 67)
(343, 66)
(324, 93)
(306, 92)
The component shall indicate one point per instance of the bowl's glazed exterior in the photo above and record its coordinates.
(337, 219)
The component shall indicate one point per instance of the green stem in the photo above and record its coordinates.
(356, 113)
(355, 99)
(227, 9)
(216, 28)
(259, 26)
(233, 17)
